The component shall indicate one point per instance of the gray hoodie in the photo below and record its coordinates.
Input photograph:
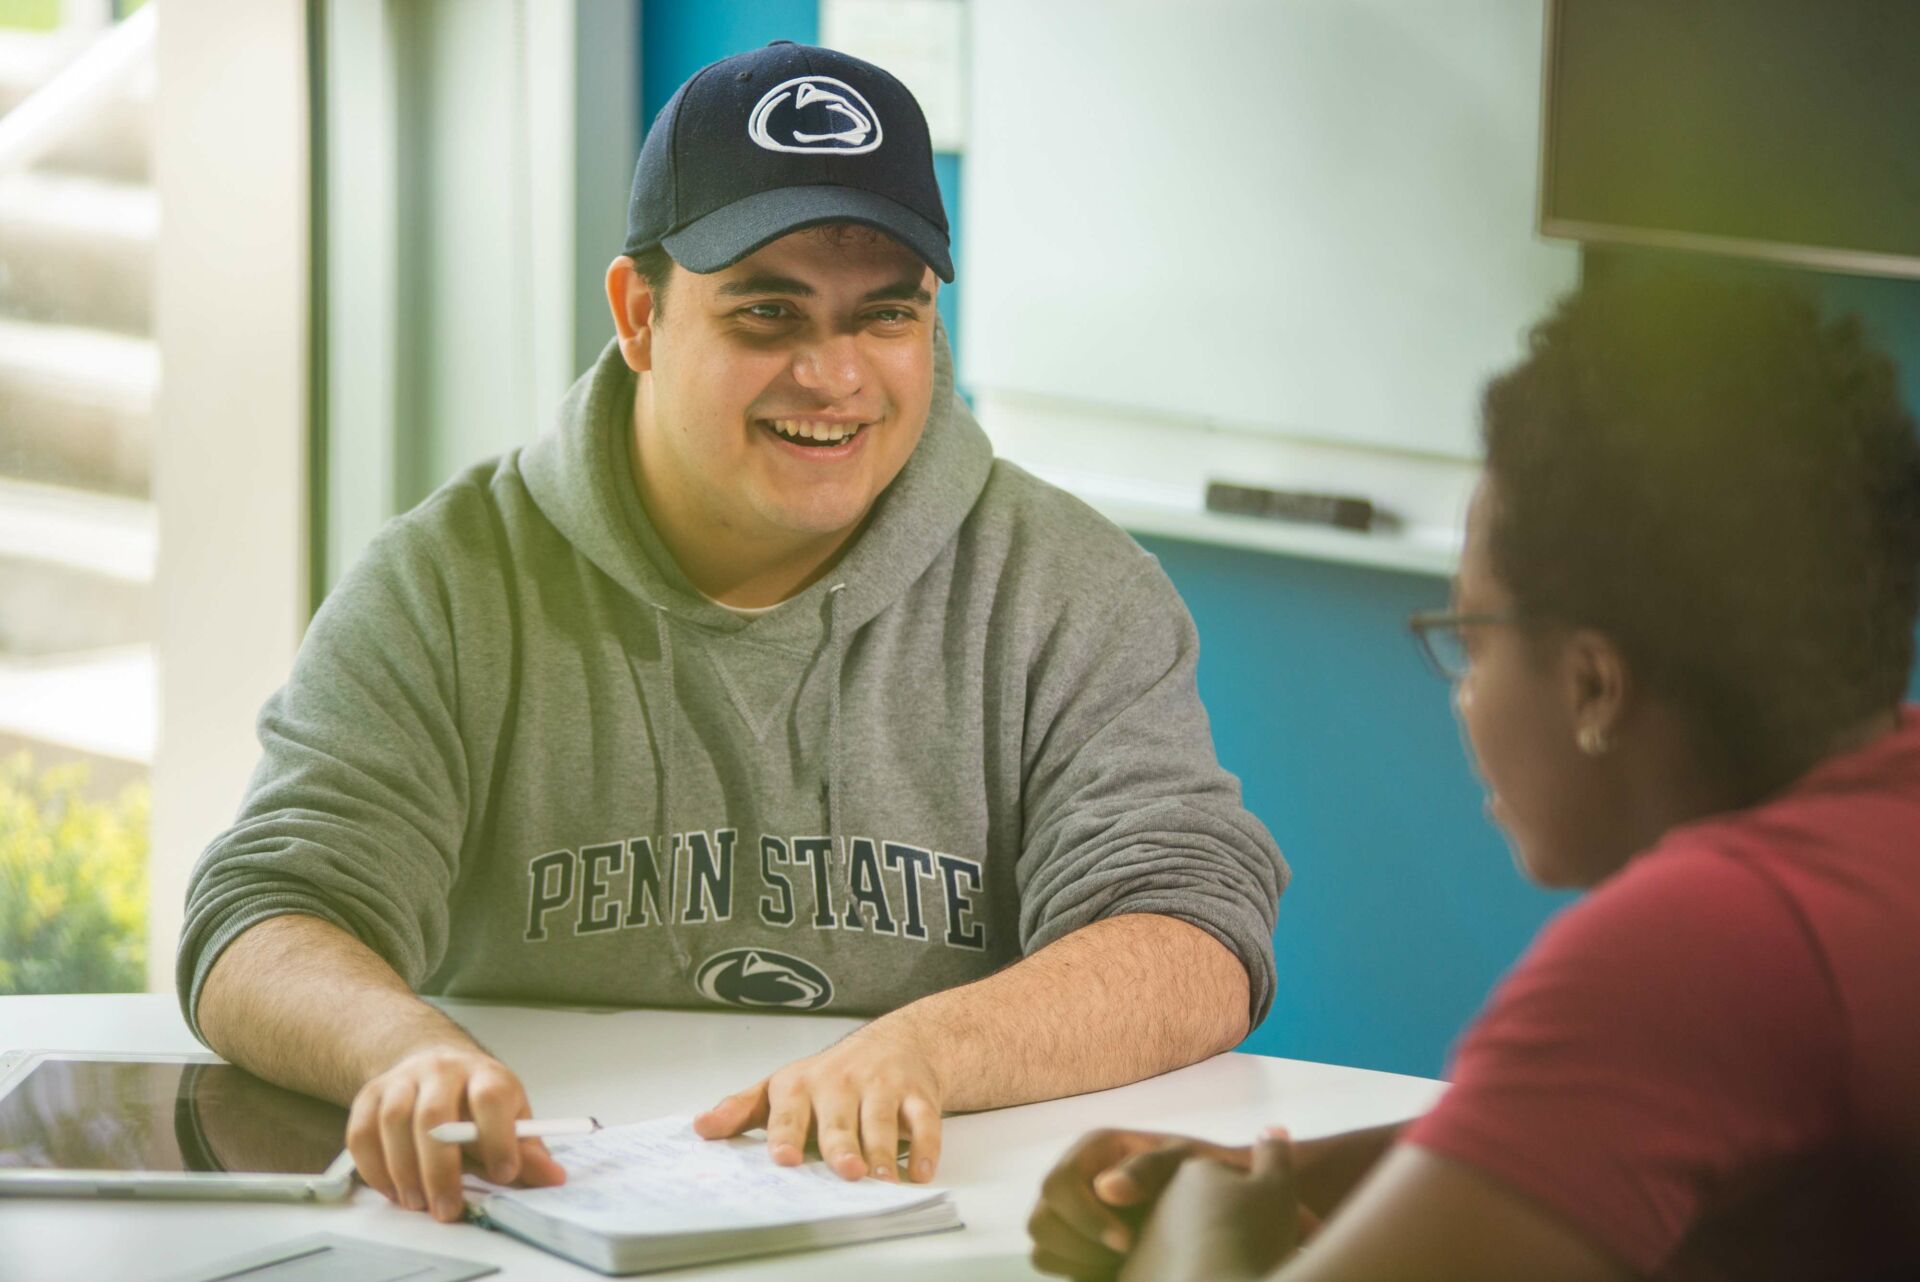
(521, 757)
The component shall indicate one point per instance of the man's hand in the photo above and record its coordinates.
(1218, 1223)
(1093, 1201)
(859, 1095)
(387, 1129)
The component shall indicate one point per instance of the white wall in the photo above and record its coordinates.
(1313, 218)
(1278, 244)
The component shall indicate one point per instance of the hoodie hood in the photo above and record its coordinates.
(580, 475)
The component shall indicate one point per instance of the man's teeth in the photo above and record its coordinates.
(801, 429)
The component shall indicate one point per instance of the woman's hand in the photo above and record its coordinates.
(1216, 1222)
(1096, 1197)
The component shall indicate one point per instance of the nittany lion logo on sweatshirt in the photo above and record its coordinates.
(815, 113)
(762, 977)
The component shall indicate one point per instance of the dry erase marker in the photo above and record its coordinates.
(540, 1128)
(1341, 511)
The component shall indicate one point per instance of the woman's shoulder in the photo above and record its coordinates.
(1840, 840)
(1694, 903)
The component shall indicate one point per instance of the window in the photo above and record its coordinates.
(153, 532)
(79, 377)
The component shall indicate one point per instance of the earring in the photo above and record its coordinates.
(1593, 741)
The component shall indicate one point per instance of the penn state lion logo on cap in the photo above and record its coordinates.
(760, 977)
(814, 114)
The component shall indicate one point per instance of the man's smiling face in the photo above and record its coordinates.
(788, 390)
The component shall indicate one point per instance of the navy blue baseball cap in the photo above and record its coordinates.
(776, 139)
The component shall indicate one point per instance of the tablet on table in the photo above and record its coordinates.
(89, 1123)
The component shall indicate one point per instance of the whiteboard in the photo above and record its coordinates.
(1310, 218)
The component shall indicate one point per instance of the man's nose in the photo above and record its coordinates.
(831, 367)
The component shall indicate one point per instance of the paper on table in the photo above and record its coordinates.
(660, 1177)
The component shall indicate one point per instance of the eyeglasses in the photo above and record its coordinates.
(1441, 634)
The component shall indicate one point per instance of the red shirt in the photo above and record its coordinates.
(1711, 1063)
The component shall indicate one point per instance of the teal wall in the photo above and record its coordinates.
(1405, 907)
(678, 37)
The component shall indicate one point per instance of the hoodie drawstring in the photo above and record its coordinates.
(837, 644)
(660, 720)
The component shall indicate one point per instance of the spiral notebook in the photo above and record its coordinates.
(653, 1195)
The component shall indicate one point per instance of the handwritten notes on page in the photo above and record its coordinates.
(659, 1177)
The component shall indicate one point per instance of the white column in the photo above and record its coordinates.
(231, 452)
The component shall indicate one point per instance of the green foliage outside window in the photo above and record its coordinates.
(73, 883)
(34, 15)
(44, 15)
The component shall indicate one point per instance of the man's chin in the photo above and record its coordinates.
(810, 522)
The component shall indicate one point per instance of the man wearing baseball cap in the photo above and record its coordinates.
(758, 683)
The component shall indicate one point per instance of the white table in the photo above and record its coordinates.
(623, 1066)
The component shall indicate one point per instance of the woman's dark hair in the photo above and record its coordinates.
(1727, 487)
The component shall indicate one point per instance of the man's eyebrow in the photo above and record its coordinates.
(906, 289)
(767, 283)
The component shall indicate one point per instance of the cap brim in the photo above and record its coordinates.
(730, 233)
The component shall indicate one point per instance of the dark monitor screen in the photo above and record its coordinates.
(1786, 128)
(114, 1115)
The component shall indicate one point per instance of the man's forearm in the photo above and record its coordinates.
(1114, 1002)
(300, 1002)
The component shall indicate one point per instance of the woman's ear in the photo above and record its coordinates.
(631, 300)
(1598, 686)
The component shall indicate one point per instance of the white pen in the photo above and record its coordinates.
(538, 1128)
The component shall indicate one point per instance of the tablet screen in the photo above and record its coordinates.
(160, 1116)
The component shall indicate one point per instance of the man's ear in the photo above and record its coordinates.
(1598, 686)
(632, 302)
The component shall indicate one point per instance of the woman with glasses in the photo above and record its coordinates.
(1680, 636)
